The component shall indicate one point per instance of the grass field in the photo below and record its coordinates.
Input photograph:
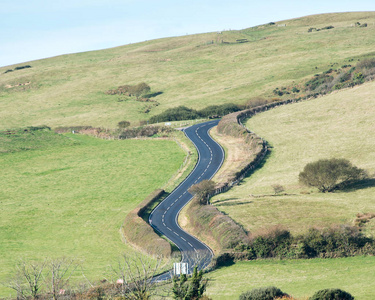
(69, 195)
(196, 71)
(299, 278)
(339, 125)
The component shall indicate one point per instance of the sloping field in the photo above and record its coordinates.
(69, 195)
(340, 125)
(196, 71)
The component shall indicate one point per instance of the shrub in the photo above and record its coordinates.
(265, 293)
(131, 90)
(218, 110)
(295, 90)
(275, 242)
(175, 114)
(330, 174)
(123, 124)
(331, 294)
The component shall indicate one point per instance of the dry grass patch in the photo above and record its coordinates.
(237, 154)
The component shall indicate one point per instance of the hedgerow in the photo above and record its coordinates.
(184, 113)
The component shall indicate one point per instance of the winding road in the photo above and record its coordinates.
(164, 217)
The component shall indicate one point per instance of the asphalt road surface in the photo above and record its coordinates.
(164, 216)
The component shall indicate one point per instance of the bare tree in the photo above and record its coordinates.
(28, 279)
(135, 276)
(60, 272)
(278, 188)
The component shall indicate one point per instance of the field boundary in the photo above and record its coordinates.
(140, 234)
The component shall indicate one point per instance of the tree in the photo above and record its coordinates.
(60, 271)
(140, 89)
(188, 290)
(330, 174)
(203, 189)
(28, 279)
(278, 188)
(135, 276)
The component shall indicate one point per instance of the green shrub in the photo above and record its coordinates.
(275, 243)
(337, 241)
(218, 110)
(175, 114)
(331, 294)
(265, 293)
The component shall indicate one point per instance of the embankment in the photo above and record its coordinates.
(140, 234)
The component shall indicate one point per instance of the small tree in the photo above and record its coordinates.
(330, 174)
(140, 89)
(60, 271)
(28, 279)
(135, 276)
(278, 188)
(203, 189)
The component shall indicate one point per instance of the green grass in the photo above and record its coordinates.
(299, 278)
(70, 197)
(339, 125)
(69, 89)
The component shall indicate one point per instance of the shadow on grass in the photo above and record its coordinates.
(226, 203)
(152, 95)
(358, 185)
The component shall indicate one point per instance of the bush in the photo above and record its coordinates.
(331, 294)
(218, 110)
(123, 124)
(330, 174)
(175, 114)
(276, 242)
(131, 90)
(265, 293)
(337, 241)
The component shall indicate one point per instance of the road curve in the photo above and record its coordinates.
(164, 217)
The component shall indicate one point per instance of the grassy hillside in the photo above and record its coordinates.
(299, 278)
(68, 195)
(339, 125)
(195, 71)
